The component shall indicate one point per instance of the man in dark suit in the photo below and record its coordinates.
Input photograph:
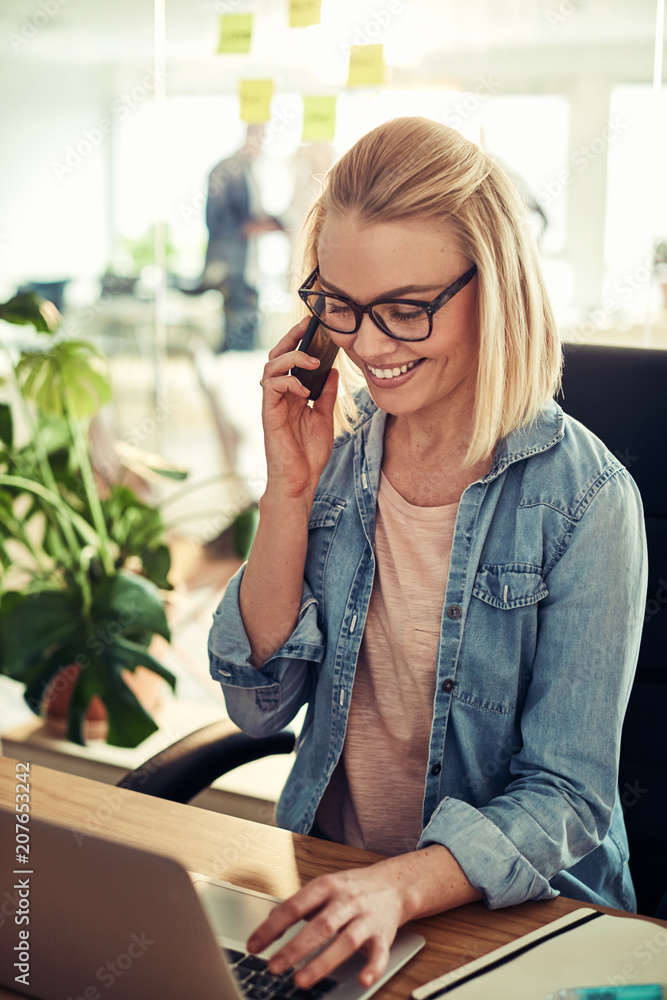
(234, 216)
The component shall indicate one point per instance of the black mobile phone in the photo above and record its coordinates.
(318, 344)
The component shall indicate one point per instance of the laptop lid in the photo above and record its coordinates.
(89, 918)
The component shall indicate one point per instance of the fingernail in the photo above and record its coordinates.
(313, 361)
(251, 943)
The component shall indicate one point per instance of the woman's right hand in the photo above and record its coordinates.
(298, 438)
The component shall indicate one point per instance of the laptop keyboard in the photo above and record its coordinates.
(257, 983)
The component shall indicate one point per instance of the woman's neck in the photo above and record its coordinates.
(424, 460)
(441, 432)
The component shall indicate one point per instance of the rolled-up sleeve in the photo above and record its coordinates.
(557, 806)
(263, 700)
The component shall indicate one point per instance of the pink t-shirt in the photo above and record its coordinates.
(375, 797)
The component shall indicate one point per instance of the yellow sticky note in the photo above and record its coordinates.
(256, 100)
(366, 65)
(235, 33)
(303, 13)
(319, 119)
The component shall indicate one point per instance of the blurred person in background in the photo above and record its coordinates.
(234, 218)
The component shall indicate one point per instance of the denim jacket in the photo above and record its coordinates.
(539, 639)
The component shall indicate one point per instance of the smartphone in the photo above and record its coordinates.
(318, 344)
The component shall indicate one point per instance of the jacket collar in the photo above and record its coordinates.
(541, 434)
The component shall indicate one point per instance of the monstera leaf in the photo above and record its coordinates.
(44, 633)
(71, 372)
(30, 309)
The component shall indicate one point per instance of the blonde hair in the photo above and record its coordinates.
(415, 167)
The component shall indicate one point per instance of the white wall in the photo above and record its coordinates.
(54, 220)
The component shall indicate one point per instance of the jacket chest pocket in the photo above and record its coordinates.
(500, 637)
(322, 525)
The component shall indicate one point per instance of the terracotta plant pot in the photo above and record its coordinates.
(147, 686)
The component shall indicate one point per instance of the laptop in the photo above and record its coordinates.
(88, 918)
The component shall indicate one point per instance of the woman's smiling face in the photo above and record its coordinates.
(410, 259)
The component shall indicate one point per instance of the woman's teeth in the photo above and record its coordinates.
(391, 372)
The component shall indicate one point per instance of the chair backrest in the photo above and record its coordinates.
(620, 394)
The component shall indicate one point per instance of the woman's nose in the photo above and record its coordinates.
(371, 342)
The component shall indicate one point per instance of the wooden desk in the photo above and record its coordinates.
(249, 791)
(262, 858)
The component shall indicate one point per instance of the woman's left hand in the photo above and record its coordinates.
(360, 909)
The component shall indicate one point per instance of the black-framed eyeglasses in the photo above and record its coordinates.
(402, 319)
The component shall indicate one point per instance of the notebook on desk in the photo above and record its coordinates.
(101, 919)
(585, 948)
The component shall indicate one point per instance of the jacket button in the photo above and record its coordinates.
(448, 684)
(436, 769)
(454, 611)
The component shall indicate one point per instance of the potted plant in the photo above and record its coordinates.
(81, 568)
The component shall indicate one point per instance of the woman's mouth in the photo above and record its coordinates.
(396, 374)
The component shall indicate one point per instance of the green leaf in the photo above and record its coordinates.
(6, 559)
(6, 424)
(243, 530)
(54, 434)
(33, 624)
(132, 524)
(48, 668)
(8, 601)
(157, 563)
(72, 371)
(131, 601)
(129, 722)
(133, 654)
(88, 390)
(46, 631)
(148, 465)
(81, 695)
(29, 370)
(29, 308)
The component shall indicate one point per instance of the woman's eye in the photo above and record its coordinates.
(337, 308)
(403, 314)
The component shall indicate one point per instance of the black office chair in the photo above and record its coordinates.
(620, 393)
(187, 767)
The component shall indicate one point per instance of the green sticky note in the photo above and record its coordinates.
(366, 65)
(235, 33)
(256, 100)
(319, 119)
(303, 13)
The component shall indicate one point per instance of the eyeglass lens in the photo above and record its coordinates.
(400, 319)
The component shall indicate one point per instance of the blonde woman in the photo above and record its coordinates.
(453, 584)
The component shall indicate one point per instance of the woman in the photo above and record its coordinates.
(454, 586)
